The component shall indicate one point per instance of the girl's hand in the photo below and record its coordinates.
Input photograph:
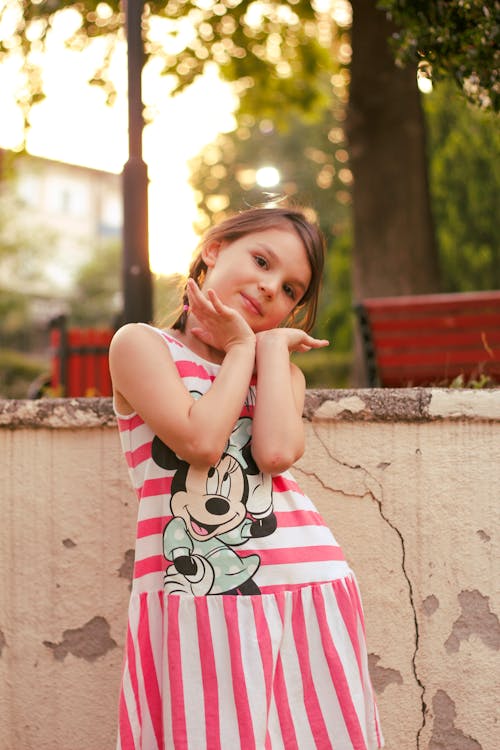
(217, 325)
(295, 339)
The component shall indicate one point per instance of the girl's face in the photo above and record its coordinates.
(263, 275)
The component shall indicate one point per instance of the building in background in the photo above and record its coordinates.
(54, 218)
(80, 207)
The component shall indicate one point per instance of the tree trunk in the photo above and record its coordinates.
(394, 250)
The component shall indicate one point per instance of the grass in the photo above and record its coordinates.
(325, 369)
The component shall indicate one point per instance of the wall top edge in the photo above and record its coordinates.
(365, 405)
(403, 404)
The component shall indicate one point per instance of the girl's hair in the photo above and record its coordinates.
(258, 220)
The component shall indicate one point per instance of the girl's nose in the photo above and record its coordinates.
(267, 287)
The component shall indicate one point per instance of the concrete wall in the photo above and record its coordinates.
(409, 481)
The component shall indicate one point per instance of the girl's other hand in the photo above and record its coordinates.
(295, 339)
(217, 325)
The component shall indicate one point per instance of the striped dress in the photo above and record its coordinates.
(245, 627)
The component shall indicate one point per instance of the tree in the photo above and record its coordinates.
(280, 39)
(25, 250)
(458, 40)
(464, 149)
(25, 253)
(95, 298)
(276, 53)
(311, 160)
(394, 250)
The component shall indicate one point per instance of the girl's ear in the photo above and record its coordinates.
(210, 252)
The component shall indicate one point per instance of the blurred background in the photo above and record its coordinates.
(380, 118)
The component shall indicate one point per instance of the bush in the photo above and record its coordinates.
(324, 368)
(17, 373)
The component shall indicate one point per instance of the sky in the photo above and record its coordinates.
(74, 124)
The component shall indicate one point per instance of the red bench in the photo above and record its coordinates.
(79, 361)
(431, 339)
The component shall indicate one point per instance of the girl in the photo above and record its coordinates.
(245, 624)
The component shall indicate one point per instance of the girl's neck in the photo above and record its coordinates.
(195, 344)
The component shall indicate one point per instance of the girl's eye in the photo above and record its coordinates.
(289, 291)
(262, 262)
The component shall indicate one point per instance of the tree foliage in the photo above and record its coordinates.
(452, 38)
(464, 176)
(311, 158)
(282, 46)
(279, 56)
(95, 298)
(25, 248)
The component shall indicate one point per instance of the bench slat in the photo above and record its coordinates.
(476, 340)
(80, 361)
(440, 359)
(435, 302)
(444, 323)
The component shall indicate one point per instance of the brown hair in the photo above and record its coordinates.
(258, 220)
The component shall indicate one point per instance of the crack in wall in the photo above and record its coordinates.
(379, 502)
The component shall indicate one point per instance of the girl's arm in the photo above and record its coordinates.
(277, 429)
(145, 375)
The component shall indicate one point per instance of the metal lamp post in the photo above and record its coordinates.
(137, 285)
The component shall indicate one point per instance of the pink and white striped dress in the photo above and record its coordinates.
(245, 627)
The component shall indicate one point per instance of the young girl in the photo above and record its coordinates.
(245, 624)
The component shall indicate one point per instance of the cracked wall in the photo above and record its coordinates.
(67, 517)
(408, 481)
(413, 496)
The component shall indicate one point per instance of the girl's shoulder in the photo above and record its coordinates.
(135, 342)
(137, 329)
(133, 335)
(146, 361)
(136, 352)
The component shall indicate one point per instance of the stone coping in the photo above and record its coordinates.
(364, 405)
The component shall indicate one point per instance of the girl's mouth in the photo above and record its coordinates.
(252, 304)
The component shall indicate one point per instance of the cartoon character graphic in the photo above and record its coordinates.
(213, 512)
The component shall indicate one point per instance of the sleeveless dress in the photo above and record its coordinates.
(245, 627)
